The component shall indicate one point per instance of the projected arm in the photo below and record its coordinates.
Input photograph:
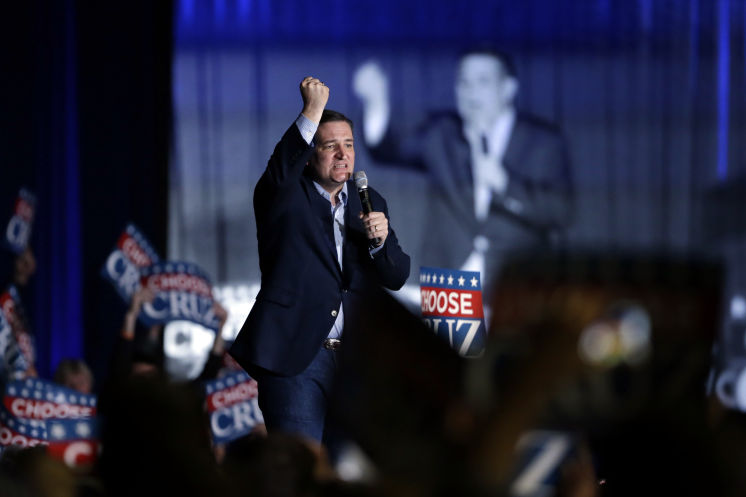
(371, 86)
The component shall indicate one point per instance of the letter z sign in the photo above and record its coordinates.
(451, 303)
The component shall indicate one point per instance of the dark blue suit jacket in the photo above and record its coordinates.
(302, 284)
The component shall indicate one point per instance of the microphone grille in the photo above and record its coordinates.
(361, 181)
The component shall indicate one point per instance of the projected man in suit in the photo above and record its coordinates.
(317, 253)
(499, 178)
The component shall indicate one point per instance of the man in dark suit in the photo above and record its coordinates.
(499, 178)
(317, 253)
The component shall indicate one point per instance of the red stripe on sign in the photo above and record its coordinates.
(40, 409)
(230, 396)
(451, 303)
(132, 250)
(166, 282)
(75, 453)
(10, 437)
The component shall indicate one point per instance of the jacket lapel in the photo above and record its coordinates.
(321, 227)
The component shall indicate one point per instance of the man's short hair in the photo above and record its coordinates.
(69, 367)
(503, 57)
(332, 116)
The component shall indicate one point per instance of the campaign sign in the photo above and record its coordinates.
(122, 267)
(37, 412)
(18, 230)
(73, 441)
(34, 398)
(6, 338)
(18, 350)
(182, 291)
(540, 457)
(21, 432)
(451, 303)
(232, 405)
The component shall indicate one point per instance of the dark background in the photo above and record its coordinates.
(86, 123)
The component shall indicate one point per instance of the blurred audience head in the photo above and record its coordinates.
(31, 472)
(156, 441)
(75, 374)
(24, 266)
(276, 465)
(147, 357)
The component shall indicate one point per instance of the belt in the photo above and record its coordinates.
(332, 344)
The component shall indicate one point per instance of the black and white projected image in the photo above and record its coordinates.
(493, 128)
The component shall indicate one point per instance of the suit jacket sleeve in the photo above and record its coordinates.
(288, 160)
(391, 264)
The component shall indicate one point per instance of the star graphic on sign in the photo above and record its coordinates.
(461, 281)
(82, 430)
(58, 432)
(427, 278)
(450, 279)
(435, 278)
(441, 279)
(473, 281)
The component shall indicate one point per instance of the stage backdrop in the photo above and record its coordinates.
(649, 96)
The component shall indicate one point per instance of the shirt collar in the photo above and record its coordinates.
(328, 196)
(502, 127)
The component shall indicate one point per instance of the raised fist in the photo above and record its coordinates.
(315, 95)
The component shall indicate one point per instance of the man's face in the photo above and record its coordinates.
(334, 157)
(483, 89)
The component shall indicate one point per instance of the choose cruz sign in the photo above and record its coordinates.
(233, 407)
(16, 342)
(182, 291)
(39, 412)
(122, 267)
(18, 230)
(451, 303)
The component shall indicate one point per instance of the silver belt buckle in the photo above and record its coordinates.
(332, 343)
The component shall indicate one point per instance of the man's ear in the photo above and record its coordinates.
(510, 88)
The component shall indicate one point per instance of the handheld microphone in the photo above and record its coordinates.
(361, 182)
